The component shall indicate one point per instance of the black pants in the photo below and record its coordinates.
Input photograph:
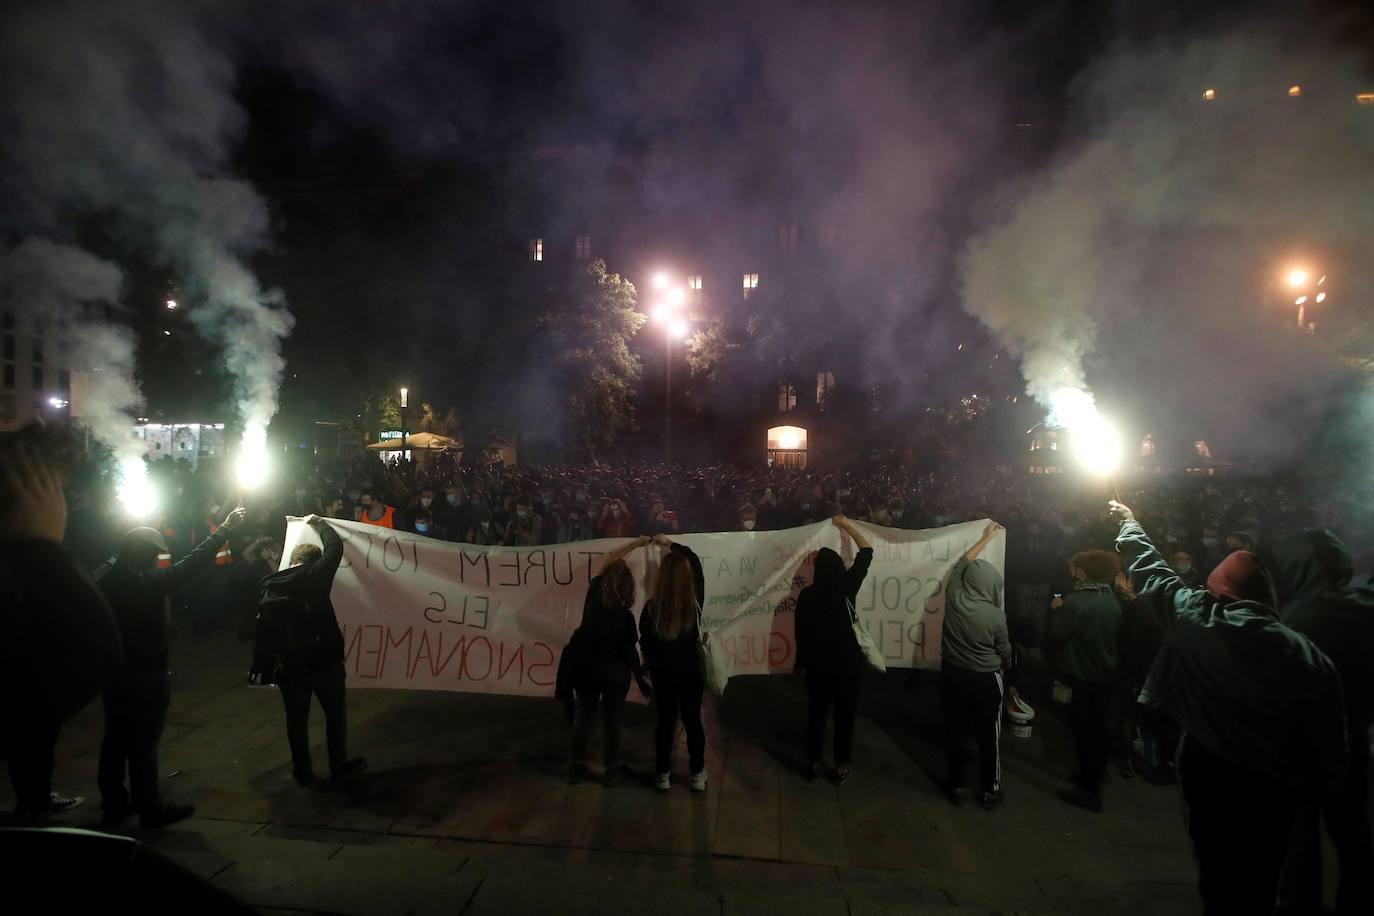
(606, 686)
(677, 694)
(1239, 823)
(135, 715)
(972, 700)
(825, 688)
(1347, 823)
(1090, 717)
(296, 689)
(30, 750)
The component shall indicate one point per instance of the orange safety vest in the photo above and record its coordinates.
(223, 556)
(386, 521)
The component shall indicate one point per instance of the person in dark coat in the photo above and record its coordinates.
(300, 649)
(669, 635)
(1261, 711)
(827, 652)
(1318, 600)
(136, 702)
(597, 665)
(1084, 636)
(59, 641)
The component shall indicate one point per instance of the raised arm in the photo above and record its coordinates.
(1151, 576)
(989, 533)
(332, 550)
(168, 580)
(623, 551)
(844, 524)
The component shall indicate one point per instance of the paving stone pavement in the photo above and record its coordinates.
(464, 809)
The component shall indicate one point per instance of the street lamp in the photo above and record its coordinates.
(674, 328)
(1297, 277)
(405, 451)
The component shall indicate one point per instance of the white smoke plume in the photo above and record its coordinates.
(124, 113)
(1146, 257)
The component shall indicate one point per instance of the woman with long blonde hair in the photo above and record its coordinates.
(669, 635)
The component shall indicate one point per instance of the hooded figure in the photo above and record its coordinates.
(828, 652)
(1319, 601)
(1261, 710)
(975, 627)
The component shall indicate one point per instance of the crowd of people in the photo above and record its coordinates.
(1212, 632)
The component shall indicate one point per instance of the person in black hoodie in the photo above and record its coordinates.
(669, 635)
(596, 666)
(300, 649)
(1318, 600)
(59, 642)
(136, 702)
(827, 651)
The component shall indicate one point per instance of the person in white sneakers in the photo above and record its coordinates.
(668, 634)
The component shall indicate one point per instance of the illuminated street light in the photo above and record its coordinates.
(660, 312)
(1294, 91)
(660, 280)
(678, 329)
(1300, 300)
(171, 304)
(676, 295)
(405, 402)
(1297, 277)
(57, 402)
(1321, 297)
(1322, 280)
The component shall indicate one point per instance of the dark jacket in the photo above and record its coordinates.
(606, 637)
(667, 657)
(1249, 688)
(59, 642)
(1318, 600)
(138, 598)
(317, 644)
(824, 630)
(1085, 633)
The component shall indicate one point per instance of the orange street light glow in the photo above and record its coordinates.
(1297, 277)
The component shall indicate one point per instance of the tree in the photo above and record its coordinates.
(589, 328)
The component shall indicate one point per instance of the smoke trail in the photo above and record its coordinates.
(64, 288)
(1145, 256)
(126, 113)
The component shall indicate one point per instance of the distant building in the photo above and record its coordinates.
(37, 373)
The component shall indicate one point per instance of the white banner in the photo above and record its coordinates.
(423, 614)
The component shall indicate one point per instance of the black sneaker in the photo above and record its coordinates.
(351, 766)
(165, 816)
(56, 804)
(956, 796)
(990, 800)
(1082, 798)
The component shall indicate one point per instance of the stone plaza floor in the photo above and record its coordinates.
(464, 809)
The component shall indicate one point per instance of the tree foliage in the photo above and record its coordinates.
(590, 326)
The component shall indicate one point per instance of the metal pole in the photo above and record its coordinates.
(405, 452)
(668, 403)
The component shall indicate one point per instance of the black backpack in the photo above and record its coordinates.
(287, 628)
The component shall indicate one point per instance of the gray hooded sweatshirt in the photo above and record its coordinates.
(975, 631)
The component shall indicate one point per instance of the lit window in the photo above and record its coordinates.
(1294, 91)
(825, 387)
(1147, 445)
(787, 398)
(751, 282)
(1209, 95)
(787, 236)
(694, 282)
(536, 249)
(1202, 450)
(1364, 98)
(584, 247)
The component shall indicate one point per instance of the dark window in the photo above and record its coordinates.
(9, 376)
(37, 378)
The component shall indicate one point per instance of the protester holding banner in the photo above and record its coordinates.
(300, 649)
(827, 651)
(976, 650)
(669, 633)
(597, 664)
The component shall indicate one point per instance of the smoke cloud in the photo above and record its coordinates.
(124, 116)
(1147, 261)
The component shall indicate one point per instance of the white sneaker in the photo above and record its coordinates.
(699, 781)
(664, 782)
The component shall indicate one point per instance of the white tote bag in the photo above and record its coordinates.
(865, 640)
(713, 668)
